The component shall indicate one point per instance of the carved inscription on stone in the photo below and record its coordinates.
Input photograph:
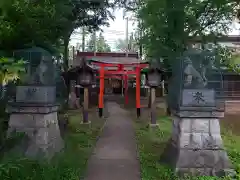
(36, 94)
(198, 97)
(30, 92)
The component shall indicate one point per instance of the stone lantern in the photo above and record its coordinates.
(85, 79)
(154, 79)
(86, 74)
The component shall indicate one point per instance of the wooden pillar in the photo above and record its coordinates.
(101, 91)
(85, 105)
(153, 106)
(163, 88)
(149, 97)
(138, 104)
(72, 95)
(126, 89)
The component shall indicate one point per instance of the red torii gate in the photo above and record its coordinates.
(119, 71)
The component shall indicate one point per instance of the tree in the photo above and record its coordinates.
(122, 45)
(91, 43)
(100, 42)
(10, 70)
(48, 23)
(89, 14)
(102, 45)
(26, 23)
(169, 25)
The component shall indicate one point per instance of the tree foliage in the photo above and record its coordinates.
(48, 23)
(10, 70)
(102, 45)
(91, 43)
(99, 42)
(27, 23)
(169, 25)
(131, 45)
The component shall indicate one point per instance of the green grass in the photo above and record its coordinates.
(67, 165)
(152, 143)
(236, 59)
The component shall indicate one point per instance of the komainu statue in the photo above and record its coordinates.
(44, 74)
(193, 78)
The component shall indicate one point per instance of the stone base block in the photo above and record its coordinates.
(42, 134)
(86, 123)
(196, 147)
(197, 162)
(153, 127)
(212, 159)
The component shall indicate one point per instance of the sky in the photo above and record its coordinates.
(117, 29)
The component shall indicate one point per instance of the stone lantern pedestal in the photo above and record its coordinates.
(196, 146)
(35, 114)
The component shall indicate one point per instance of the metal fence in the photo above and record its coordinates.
(231, 89)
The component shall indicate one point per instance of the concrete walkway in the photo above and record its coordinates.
(115, 156)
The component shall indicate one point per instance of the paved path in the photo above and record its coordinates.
(115, 156)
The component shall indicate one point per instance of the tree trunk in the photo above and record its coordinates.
(65, 55)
